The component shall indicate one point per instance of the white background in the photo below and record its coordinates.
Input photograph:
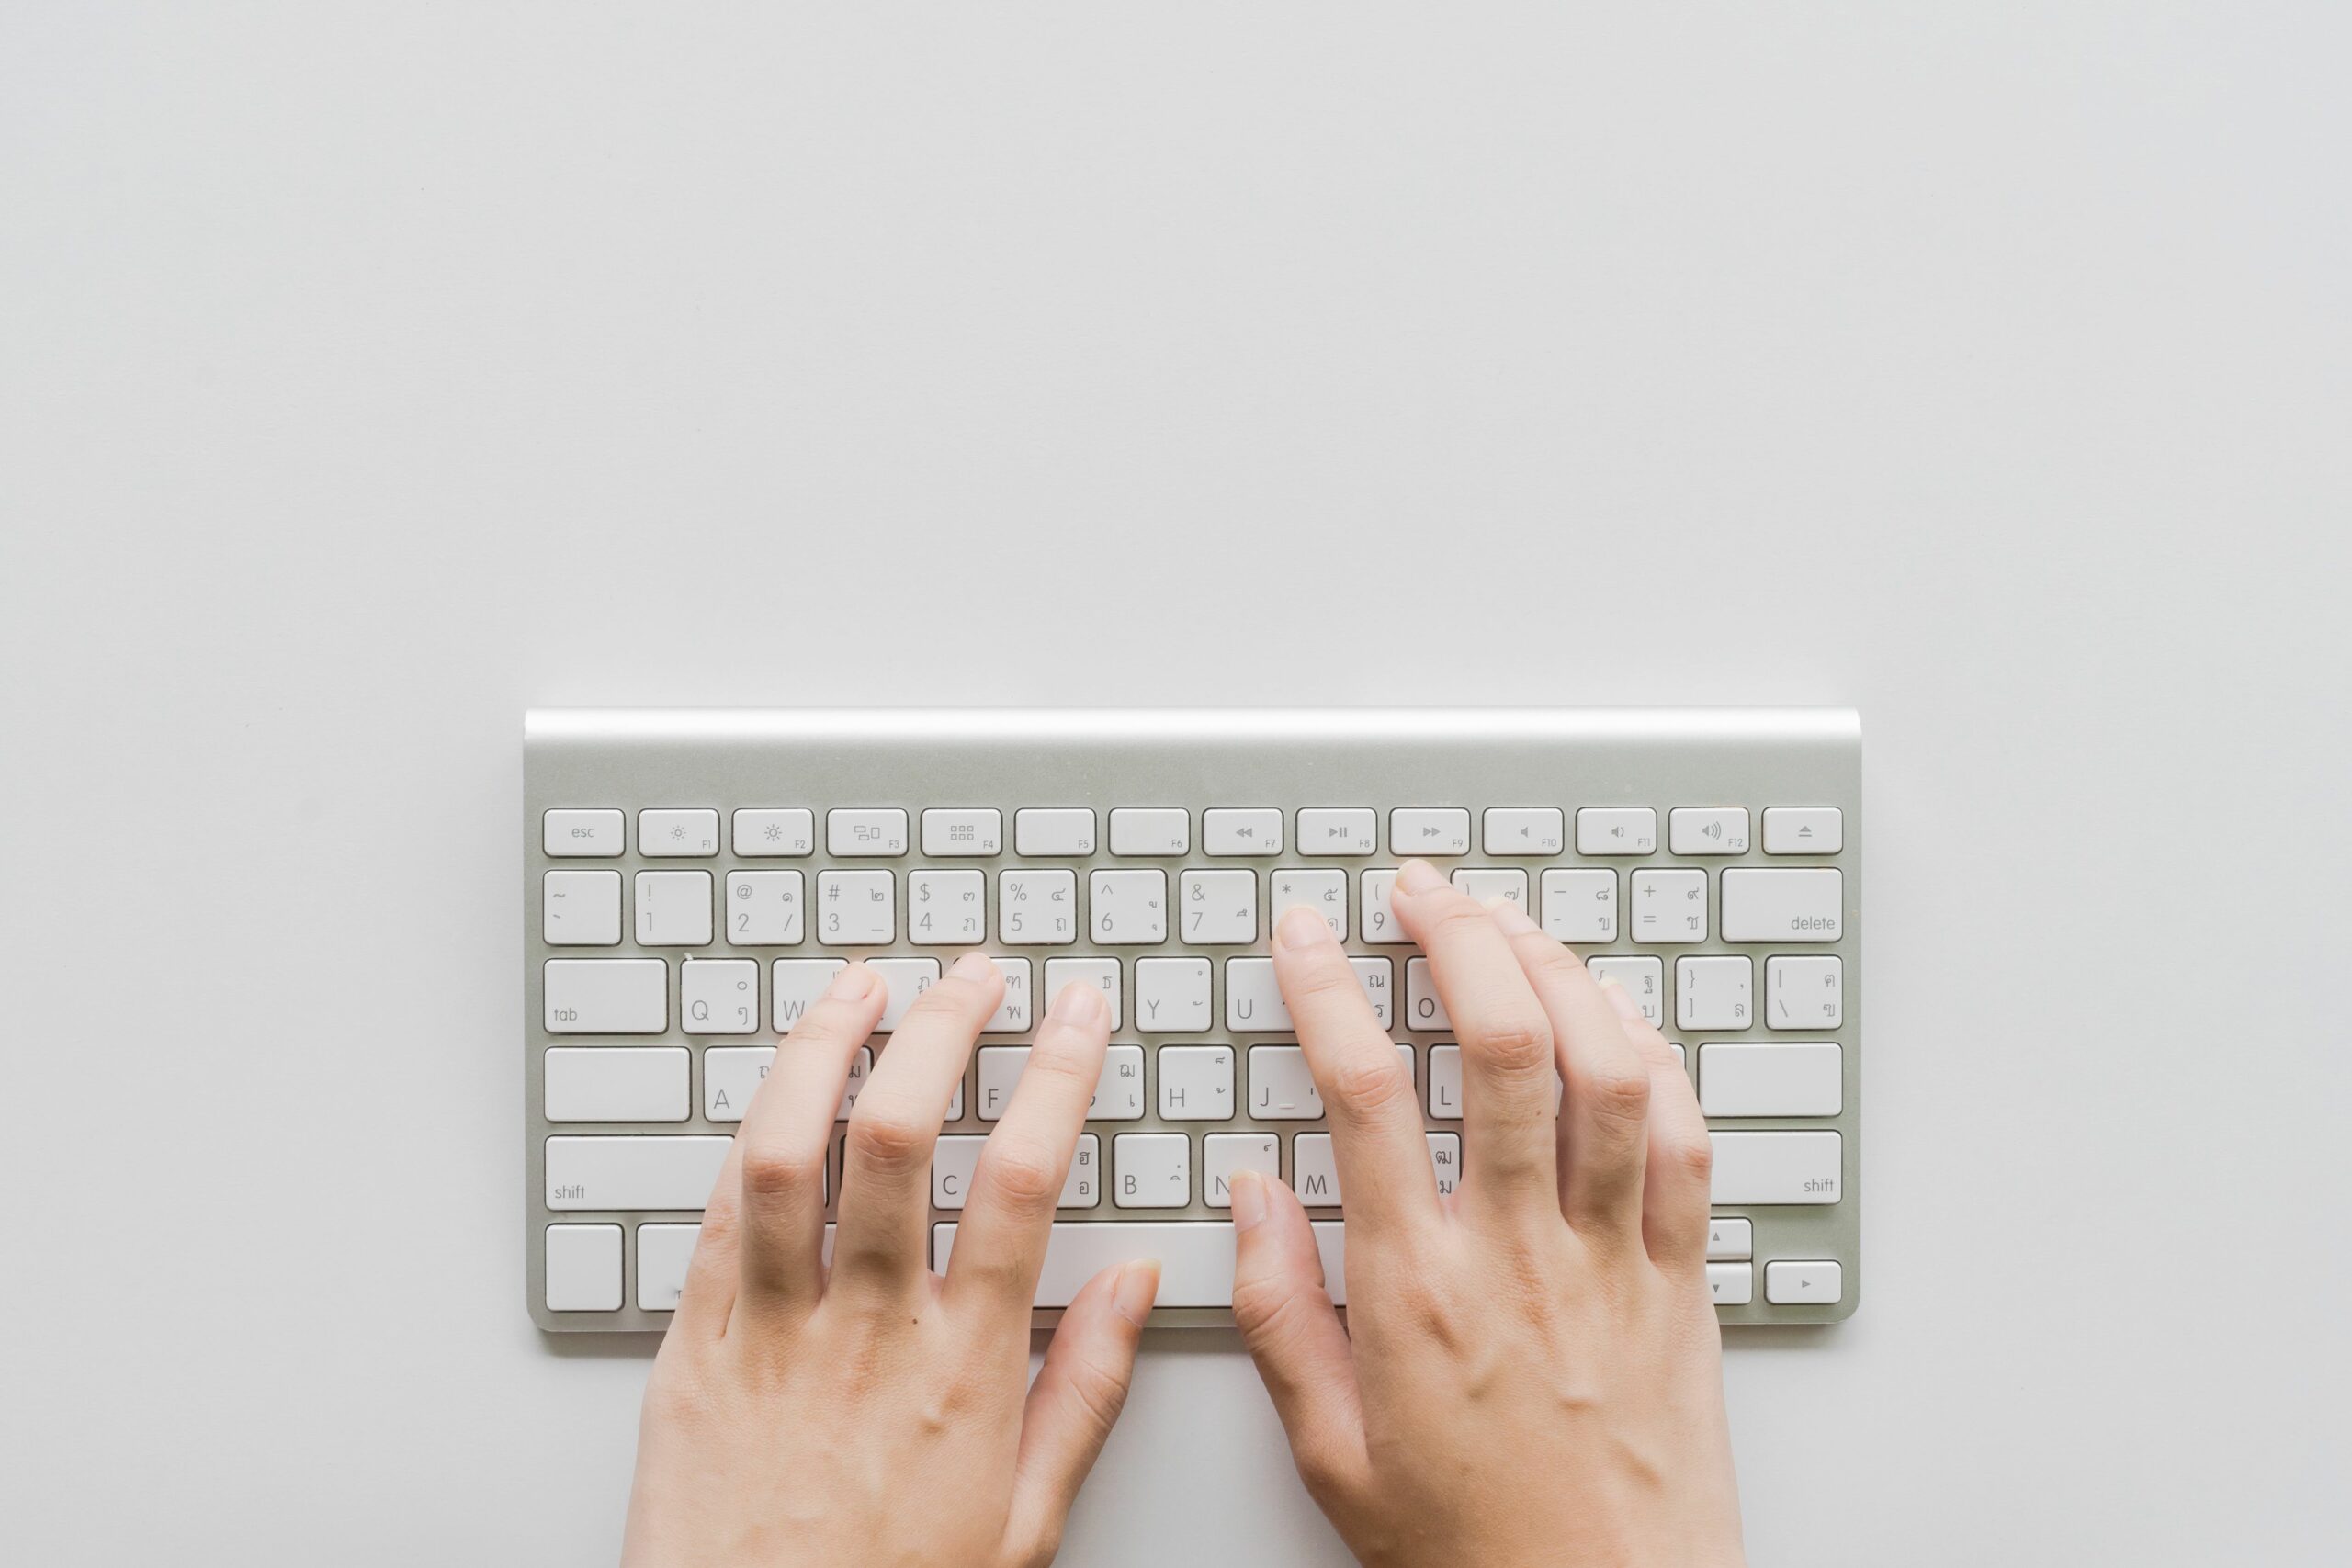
(368, 373)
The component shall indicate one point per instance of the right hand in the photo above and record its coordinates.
(1531, 1372)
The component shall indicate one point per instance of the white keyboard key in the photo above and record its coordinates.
(1732, 1284)
(1013, 1015)
(1314, 1173)
(1337, 830)
(1222, 1154)
(1195, 1257)
(719, 995)
(616, 1083)
(583, 1270)
(1486, 884)
(1714, 993)
(868, 830)
(1424, 1010)
(1282, 1088)
(855, 909)
(764, 909)
(662, 1254)
(1126, 908)
(1036, 908)
(1054, 830)
(581, 909)
(774, 831)
(1325, 892)
(1154, 1170)
(860, 1068)
(1118, 1093)
(1776, 1167)
(581, 832)
(1805, 993)
(1707, 830)
(1788, 1282)
(1800, 831)
(674, 909)
(1220, 907)
(1445, 1082)
(1730, 1240)
(1196, 1083)
(653, 1174)
(730, 1076)
(1380, 927)
(947, 908)
(1643, 979)
(1616, 830)
(1253, 1000)
(1580, 906)
(955, 831)
(605, 995)
(1376, 976)
(1445, 1160)
(1173, 996)
(1669, 906)
(1242, 830)
(677, 833)
(1430, 831)
(957, 1156)
(794, 986)
(1102, 974)
(1150, 830)
(1772, 1077)
(1782, 904)
(907, 978)
(1522, 830)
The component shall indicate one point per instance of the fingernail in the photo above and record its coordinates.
(1138, 1286)
(1512, 918)
(971, 966)
(1302, 928)
(1622, 1000)
(1418, 876)
(1248, 1190)
(1078, 1004)
(852, 984)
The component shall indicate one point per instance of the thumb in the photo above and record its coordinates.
(1075, 1399)
(1286, 1320)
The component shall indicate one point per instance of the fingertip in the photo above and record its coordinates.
(1081, 1007)
(1136, 1288)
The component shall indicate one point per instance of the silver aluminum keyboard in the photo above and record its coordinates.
(692, 878)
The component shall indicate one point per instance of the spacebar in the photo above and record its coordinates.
(1195, 1258)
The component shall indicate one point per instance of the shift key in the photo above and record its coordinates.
(633, 1173)
(1777, 1168)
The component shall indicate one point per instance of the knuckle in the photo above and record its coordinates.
(886, 1136)
(1370, 1085)
(781, 1170)
(1515, 1039)
(1024, 1177)
(1693, 1156)
(1452, 914)
(1619, 1093)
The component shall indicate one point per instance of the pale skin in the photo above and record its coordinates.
(1528, 1372)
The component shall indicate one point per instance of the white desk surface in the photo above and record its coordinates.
(371, 373)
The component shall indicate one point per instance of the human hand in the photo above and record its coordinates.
(1530, 1370)
(872, 1412)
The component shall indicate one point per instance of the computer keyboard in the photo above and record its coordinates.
(692, 878)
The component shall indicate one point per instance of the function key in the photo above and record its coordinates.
(1523, 830)
(1796, 830)
(791, 831)
(1242, 830)
(865, 831)
(581, 832)
(963, 831)
(1337, 830)
(1707, 830)
(661, 834)
(1616, 830)
(1054, 830)
(1150, 830)
(1430, 830)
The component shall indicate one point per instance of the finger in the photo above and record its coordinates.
(1510, 1129)
(781, 1143)
(1075, 1399)
(1283, 1311)
(1676, 1178)
(1376, 1139)
(708, 1298)
(1604, 1114)
(1009, 1214)
(880, 1250)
